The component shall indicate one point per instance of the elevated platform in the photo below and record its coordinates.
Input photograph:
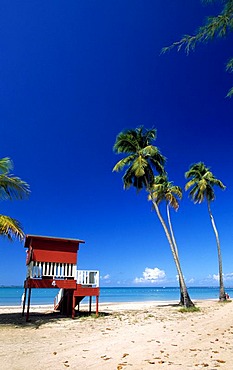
(52, 263)
(71, 293)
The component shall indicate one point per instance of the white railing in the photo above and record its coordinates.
(37, 270)
(88, 277)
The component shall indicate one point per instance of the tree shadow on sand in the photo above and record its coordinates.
(169, 305)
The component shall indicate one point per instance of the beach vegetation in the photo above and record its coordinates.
(201, 185)
(226, 301)
(141, 160)
(189, 309)
(150, 316)
(11, 187)
(218, 26)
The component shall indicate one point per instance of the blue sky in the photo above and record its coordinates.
(72, 76)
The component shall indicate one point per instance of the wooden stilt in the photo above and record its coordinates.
(68, 304)
(73, 306)
(90, 304)
(28, 307)
(97, 305)
(24, 300)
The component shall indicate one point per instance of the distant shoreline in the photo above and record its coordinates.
(12, 296)
(112, 306)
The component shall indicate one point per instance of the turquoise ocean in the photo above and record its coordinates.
(11, 296)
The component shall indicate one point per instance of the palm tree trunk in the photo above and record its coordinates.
(187, 300)
(175, 245)
(222, 294)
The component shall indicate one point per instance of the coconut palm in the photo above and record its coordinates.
(142, 158)
(201, 184)
(11, 187)
(164, 190)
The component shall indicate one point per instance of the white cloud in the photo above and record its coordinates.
(177, 278)
(191, 281)
(151, 275)
(105, 277)
(215, 277)
(226, 277)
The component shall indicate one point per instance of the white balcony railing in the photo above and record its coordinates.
(88, 277)
(38, 270)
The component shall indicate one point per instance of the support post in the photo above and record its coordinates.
(97, 305)
(28, 307)
(73, 306)
(90, 304)
(24, 300)
(68, 304)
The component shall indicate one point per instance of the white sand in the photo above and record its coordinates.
(148, 335)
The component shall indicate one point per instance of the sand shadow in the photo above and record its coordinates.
(169, 305)
(37, 319)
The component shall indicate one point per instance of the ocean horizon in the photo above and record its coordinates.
(11, 295)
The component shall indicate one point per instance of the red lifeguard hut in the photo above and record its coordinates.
(52, 263)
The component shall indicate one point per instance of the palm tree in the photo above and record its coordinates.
(142, 158)
(11, 187)
(201, 183)
(164, 190)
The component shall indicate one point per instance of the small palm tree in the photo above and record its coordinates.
(164, 190)
(11, 187)
(201, 184)
(142, 158)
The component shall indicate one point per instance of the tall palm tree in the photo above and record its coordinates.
(164, 190)
(11, 187)
(142, 158)
(201, 184)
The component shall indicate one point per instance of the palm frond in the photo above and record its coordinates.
(230, 93)
(229, 66)
(12, 187)
(11, 228)
(6, 165)
(177, 191)
(189, 184)
(219, 183)
(125, 143)
(122, 163)
(139, 165)
(214, 27)
(148, 137)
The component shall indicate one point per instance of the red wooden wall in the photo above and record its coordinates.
(48, 249)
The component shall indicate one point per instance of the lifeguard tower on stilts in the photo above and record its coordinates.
(52, 263)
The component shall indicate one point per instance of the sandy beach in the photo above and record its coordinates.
(148, 335)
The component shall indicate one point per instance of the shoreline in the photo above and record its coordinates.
(111, 306)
